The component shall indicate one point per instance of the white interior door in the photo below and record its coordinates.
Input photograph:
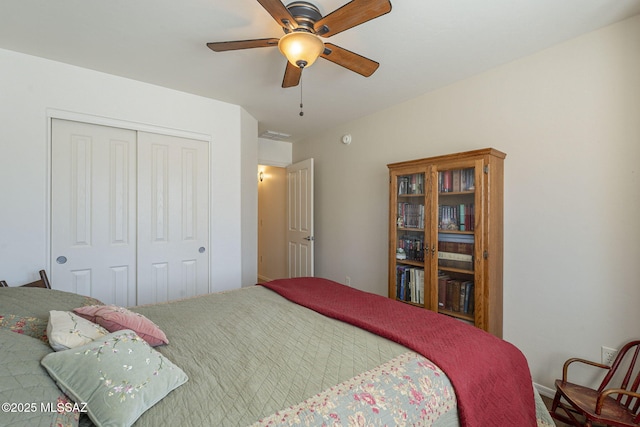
(93, 211)
(173, 218)
(300, 241)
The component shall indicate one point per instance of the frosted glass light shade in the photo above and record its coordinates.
(301, 48)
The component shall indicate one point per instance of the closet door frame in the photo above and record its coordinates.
(52, 114)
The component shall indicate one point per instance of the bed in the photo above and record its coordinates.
(284, 353)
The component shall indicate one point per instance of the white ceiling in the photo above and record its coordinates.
(421, 45)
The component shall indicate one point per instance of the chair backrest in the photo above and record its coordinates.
(42, 283)
(626, 370)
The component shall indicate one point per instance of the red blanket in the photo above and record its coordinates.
(491, 377)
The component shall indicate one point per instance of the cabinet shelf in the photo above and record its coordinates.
(411, 303)
(454, 206)
(410, 262)
(455, 270)
(455, 193)
(468, 317)
(441, 231)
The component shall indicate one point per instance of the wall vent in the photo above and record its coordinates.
(276, 136)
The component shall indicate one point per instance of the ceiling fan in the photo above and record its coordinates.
(302, 23)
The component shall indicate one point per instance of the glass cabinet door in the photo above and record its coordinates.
(456, 241)
(410, 217)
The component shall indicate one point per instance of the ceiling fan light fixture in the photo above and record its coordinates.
(301, 48)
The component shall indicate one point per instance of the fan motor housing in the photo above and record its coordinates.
(305, 13)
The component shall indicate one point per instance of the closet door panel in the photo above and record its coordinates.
(173, 218)
(93, 211)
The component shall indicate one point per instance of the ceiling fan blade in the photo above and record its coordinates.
(280, 13)
(352, 61)
(351, 14)
(242, 44)
(292, 75)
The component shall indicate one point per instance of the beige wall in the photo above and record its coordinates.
(272, 191)
(569, 120)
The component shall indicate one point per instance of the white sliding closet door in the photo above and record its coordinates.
(173, 199)
(129, 214)
(93, 211)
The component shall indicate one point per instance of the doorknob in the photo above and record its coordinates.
(309, 238)
(201, 249)
(61, 259)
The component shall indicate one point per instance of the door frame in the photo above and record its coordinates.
(52, 113)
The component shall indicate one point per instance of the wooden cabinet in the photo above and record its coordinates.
(446, 235)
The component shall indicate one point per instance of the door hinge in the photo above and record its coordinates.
(486, 169)
(485, 254)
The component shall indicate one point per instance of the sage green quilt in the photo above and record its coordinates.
(250, 353)
(253, 357)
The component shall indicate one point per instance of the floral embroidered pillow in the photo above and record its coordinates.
(68, 330)
(119, 377)
(25, 325)
(114, 318)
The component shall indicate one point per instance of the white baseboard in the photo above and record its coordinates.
(545, 391)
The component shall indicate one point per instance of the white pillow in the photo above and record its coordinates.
(67, 330)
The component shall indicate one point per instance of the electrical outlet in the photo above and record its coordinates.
(347, 281)
(608, 355)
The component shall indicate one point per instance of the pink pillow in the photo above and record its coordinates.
(114, 318)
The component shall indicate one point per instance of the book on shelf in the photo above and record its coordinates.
(457, 247)
(411, 184)
(457, 180)
(420, 286)
(442, 289)
(403, 185)
(411, 215)
(459, 217)
(444, 236)
(455, 256)
(468, 298)
(455, 295)
(455, 260)
(412, 246)
(447, 181)
(410, 284)
(400, 282)
(469, 217)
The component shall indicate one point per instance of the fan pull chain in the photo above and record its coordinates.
(301, 112)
